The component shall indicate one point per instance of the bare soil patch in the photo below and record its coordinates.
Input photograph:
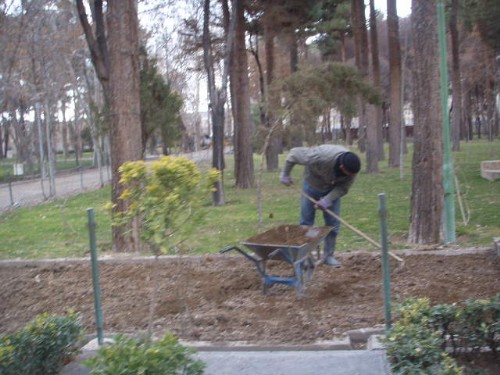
(219, 298)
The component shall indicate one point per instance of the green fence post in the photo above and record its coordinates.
(385, 261)
(9, 180)
(448, 173)
(95, 277)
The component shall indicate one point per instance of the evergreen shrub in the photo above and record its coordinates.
(42, 347)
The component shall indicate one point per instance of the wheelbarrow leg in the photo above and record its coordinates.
(299, 278)
(304, 269)
(309, 267)
(259, 263)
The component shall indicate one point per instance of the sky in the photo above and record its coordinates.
(403, 7)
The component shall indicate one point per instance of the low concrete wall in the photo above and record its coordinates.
(490, 169)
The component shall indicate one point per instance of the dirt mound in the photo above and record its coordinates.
(219, 298)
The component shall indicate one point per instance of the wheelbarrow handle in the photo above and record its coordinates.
(257, 261)
(242, 252)
(227, 248)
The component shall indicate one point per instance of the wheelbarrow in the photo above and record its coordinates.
(293, 244)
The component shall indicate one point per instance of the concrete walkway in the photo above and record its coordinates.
(266, 361)
(31, 192)
(342, 362)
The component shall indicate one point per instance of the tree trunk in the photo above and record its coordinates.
(298, 134)
(374, 128)
(489, 92)
(467, 126)
(218, 163)
(363, 64)
(243, 157)
(272, 99)
(217, 96)
(116, 61)
(395, 84)
(262, 89)
(355, 30)
(22, 136)
(64, 130)
(426, 214)
(124, 101)
(41, 157)
(3, 125)
(98, 44)
(51, 162)
(456, 114)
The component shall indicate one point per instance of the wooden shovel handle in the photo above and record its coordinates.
(355, 230)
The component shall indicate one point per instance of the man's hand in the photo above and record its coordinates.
(322, 204)
(286, 180)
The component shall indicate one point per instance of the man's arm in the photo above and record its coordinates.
(297, 155)
(340, 189)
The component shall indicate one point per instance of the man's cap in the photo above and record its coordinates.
(351, 162)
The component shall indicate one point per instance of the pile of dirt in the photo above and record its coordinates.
(290, 235)
(219, 298)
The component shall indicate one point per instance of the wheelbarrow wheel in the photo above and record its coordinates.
(304, 270)
(316, 254)
(265, 287)
(308, 270)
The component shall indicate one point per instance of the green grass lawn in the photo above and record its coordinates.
(59, 229)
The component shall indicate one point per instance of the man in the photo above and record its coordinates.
(329, 172)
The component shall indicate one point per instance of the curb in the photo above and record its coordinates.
(358, 336)
(370, 336)
(207, 257)
(341, 344)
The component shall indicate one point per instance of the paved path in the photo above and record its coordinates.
(338, 362)
(307, 360)
(32, 192)
(329, 362)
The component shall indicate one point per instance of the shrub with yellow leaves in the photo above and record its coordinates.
(162, 197)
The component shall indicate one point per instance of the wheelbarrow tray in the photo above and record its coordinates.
(286, 242)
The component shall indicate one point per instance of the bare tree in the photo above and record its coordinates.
(427, 184)
(217, 95)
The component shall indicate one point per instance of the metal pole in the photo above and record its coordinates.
(385, 261)
(40, 145)
(9, 179)
(448, 179)
(80, 169)
(95, 277)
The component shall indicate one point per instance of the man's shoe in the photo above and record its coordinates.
(331, 261)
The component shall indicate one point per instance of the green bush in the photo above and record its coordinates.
(417, 343)
(478, 324)
(42, 347)
(413, 345)
(128, 356)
